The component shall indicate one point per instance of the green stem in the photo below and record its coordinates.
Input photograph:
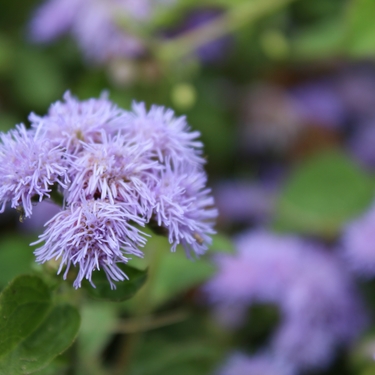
(131, 342)
(231, 20)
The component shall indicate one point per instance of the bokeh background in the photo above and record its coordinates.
(283, 93)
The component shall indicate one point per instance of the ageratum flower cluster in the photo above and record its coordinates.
(117, 171)
(83, 18)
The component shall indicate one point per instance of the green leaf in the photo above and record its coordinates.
(16, 257)
(24, 303)
(360, 37)
(177, 274)
(322, 194)
(171, 273)
(51, 338)
(124, 290)
(320, 41)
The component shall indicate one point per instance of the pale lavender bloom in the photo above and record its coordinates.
(242, 201)
(212, 51)
(93, 235)
(321, 305)
(259, 364)
(111, 41)
(361, 143)
(320, 103)
(184, 206)
(54, 18)
(29, 167)
(311, 287)
(71, 121)
(115, 170)
(356, 87)
(95, 24)
(170, 136)
(358, 243)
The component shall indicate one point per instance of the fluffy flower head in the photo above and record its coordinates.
(93, 234)
(114, 170)
(170, 136)
(71, 121)
(184, 206)
(29, 167)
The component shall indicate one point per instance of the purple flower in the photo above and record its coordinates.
(54, 18)
(170, 136)
(260, 364)
(212, 51)
(243, 201)
(314, 292)
(29, 167)
(358, 243)
(71, 121)
(91, 234)
(115, 170)
(83, 19)
(361, 144)
(184, 206)
(320, 103)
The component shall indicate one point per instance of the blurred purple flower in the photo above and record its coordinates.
(356, 87)
(212, 51)
(320, 104)
(361, 143)
(29, 167)
(243, 201)
(91, 234)
(311, 287)
(358, 243)
(94, 24)
(260, 364)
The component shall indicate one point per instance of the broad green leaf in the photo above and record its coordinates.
(16, 257)
(56, 333)
(320, 41)
(322, 194)
(171, 273)
(360, 37)
(124, 290)
(24, 303)
(177, 274)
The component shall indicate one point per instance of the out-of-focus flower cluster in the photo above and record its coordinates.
(96, 25)
(320, 309)
(116, 171)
